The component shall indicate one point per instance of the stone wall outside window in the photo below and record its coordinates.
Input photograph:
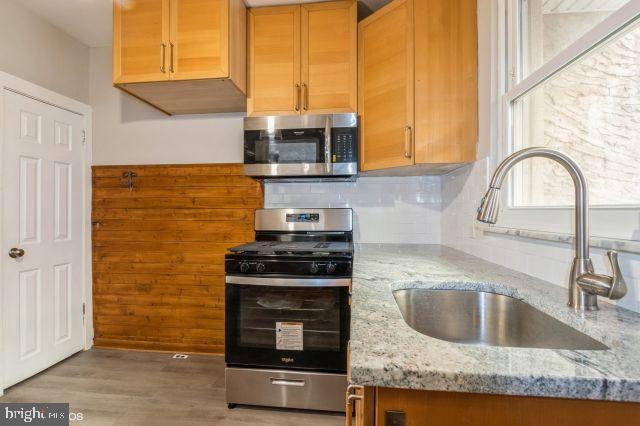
(591, 111)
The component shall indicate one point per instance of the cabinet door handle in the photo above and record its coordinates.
(297, 97)
(351, 399)
(164, 58)
(171, 69)
(408, 139)
(305, 90)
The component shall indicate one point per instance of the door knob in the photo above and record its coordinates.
(16, 252)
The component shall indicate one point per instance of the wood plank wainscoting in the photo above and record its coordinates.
(158, 252)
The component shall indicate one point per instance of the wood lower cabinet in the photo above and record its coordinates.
(381, 406)
(181, 56)
(302, 59)
(418, 86)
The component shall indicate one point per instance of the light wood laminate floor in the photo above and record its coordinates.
(112, 387)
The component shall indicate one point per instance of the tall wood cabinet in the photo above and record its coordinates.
(418, 86)
(181, 56)
(302, 59)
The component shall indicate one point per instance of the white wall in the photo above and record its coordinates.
(36, 51)
(128, 131)
(386, 210)
(463, 189)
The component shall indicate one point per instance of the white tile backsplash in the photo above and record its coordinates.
(385, 209)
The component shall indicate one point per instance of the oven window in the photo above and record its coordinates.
(284, 146)
(288, 318)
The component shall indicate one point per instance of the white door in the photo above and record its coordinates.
(41, 236)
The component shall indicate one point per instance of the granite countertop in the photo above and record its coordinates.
(386, 352)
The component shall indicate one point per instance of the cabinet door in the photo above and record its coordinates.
(329, 58)
(446, 81)
(427, 408)
(385, 95)
(140, 40)
(274, 61)
(199, 39)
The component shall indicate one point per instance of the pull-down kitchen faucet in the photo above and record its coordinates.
(584, 285)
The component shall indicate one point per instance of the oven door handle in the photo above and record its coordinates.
(286, 382)
(288, 282)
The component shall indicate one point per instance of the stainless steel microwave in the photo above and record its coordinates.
(301, 146)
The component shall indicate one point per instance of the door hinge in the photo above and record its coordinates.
(84, 309)
(84, 137)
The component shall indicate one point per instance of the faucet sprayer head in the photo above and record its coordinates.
(488, 210)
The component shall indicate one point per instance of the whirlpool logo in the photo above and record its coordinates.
(287, 360)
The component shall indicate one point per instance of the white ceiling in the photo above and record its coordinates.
(90, 20)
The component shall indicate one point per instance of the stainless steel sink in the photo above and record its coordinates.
(480, 318)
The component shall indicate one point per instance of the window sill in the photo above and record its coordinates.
(629, 246)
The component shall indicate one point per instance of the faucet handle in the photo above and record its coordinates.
(614, 287)
(618, 285)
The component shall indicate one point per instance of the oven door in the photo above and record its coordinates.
(288, 152)
(287, 323)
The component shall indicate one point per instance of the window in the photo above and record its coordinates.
(573, 84)
(550, 26)
(591, 111)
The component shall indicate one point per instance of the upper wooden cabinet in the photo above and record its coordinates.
(303, 59)
(200, 36)
(329, 65)
(446, 62)
(418, 86)
(274, 60)
(386, 87)
(140, 40)
(181, 56)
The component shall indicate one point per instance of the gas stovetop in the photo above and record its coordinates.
(296, 242)
(294, 247)
(318, 258)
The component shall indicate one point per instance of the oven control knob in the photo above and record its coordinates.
(260, 268)
(314, 268)
(244, 267)
(331, 268)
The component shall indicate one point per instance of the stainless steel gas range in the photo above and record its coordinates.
(287, 310)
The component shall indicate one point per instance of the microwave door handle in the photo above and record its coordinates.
(327, 146)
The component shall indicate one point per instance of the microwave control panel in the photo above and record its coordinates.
(344, 144)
